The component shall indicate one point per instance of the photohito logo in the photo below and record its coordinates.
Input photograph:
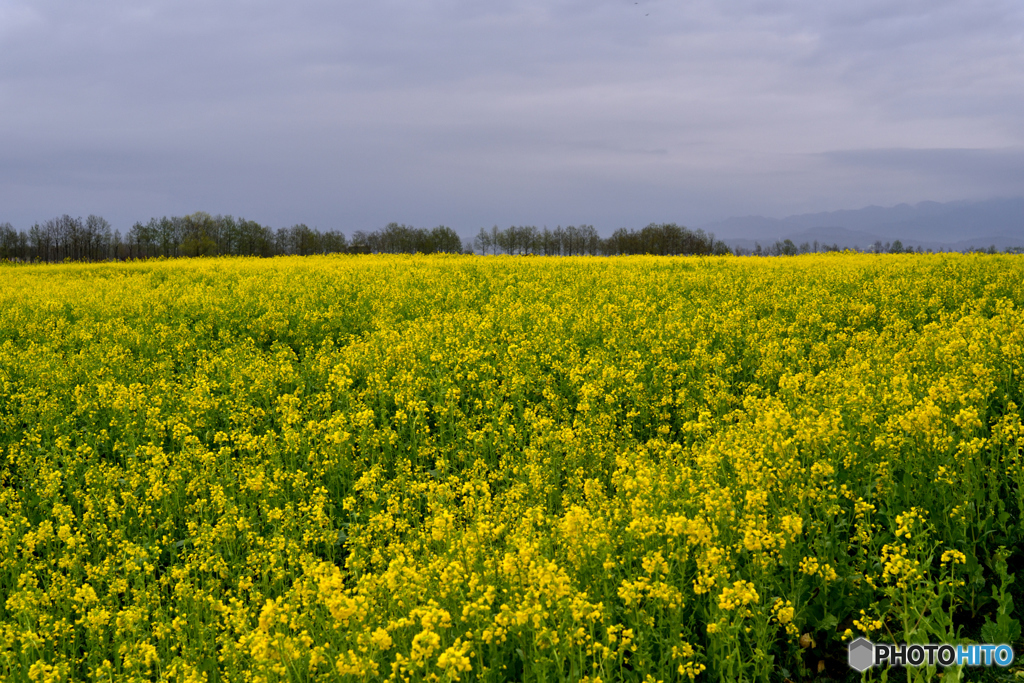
(863, 654)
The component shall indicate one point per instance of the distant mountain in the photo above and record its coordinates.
(951, 226)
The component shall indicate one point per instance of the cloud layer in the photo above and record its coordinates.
(348, 115)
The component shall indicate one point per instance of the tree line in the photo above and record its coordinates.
(663, 239)
(789, 248)
(199, 234)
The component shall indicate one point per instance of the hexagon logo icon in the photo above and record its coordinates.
(861, 654)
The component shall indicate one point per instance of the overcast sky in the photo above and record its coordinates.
(349, 115)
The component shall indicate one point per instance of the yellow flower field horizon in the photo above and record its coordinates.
(457, 468)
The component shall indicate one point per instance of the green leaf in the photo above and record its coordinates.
(828, 622)
(990, 632)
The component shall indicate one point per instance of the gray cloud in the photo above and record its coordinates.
(990, 167)
(349, 115)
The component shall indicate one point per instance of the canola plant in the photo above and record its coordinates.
(493, 468)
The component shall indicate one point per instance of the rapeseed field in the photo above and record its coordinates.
(492, 468)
